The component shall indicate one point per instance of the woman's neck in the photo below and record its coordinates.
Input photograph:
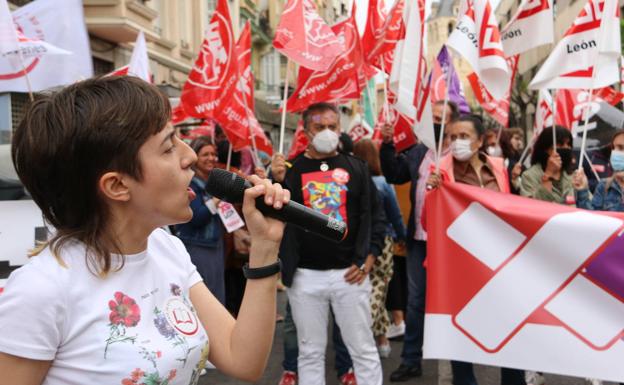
(201, 174)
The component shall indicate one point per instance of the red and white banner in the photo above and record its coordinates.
(381, 55)
(300, 142)
(305, 38)
(543, 112)
(54, 43)
(410, 64)
(476, 37)
(214, 75)
(572, 105)
(403, 136)
(591, 43)
(531, 26)
(139, 61)
(340, 81)
(543, 291)
(497, 109)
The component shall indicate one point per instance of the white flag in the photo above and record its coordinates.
(139, 61)
(8, 35)
(591, 43)
(61, 24)
(531, 26)
(476, 37)
(423, 124)
(544, 113)
(409, 68)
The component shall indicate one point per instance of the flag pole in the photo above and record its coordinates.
(591, 166)
(442, 126)
(229, 157)
(588, 106)
(255, 156)
(283, 124)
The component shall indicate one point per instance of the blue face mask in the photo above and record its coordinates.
(617, 160)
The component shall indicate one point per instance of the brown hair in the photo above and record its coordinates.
(200, 142)
(69, 139)
(366, 150)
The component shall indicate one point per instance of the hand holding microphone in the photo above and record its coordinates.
(231, 188)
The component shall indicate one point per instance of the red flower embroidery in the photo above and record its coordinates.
(124, 310)
(172, 374)
(137, 374)
(158, 354)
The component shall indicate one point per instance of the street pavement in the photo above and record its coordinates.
(485, 375)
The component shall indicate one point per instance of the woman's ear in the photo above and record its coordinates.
(113, 186)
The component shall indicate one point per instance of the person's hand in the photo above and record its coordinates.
(387, 133)
(516, 171)
(278, 167)
(553, 167)
(266, 233)
(355, 275)
(261, 172)
(579, 180)
(433, 181)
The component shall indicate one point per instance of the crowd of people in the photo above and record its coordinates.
(371, 286)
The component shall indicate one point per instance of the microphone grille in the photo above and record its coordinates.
(225, 185)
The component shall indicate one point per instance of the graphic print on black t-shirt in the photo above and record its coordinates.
(326, 192)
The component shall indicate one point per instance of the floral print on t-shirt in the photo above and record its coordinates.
(125, 313)
(175, 321)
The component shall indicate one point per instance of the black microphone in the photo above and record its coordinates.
(231, 188)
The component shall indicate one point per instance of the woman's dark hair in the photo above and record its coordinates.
(452, 106)
(545, 141)
(615, 135)
(366, 150)
(509, 151)
(198, 143)
(477, 124)
(69, 139)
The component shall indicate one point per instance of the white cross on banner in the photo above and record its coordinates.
(520, 283)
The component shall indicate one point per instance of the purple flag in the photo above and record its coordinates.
(438, 86)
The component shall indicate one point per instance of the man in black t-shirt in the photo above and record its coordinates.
(320, 273)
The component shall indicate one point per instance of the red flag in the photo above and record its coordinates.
(482, 308)
(236, 114)
(572, 105)
(498, 109)
(178, 115)
(340, 81)
(213, 77)
(304, 37)
(387, 37)
(300, 142)
(403, 137)
(374, 25)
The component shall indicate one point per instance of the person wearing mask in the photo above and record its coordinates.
(322, 274)
(382, 269)
(203, 234)
(548, 178)
(414, 166)
(466, 164)
(609, 193)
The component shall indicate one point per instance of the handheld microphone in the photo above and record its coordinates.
(231, 188)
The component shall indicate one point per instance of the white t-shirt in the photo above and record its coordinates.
(135, 326)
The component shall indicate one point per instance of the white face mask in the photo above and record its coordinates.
(326, 141)
(461, 149)
(495, 151)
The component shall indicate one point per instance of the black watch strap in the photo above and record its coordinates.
(262, 272)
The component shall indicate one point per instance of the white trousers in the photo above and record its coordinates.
(310, 296)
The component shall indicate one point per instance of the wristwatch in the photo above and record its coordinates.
(262, 272)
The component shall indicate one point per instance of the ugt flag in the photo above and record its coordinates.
(522, 283)
(531, 26)
(139, 61)
(48, 25)
(591, 44)
(214, 75)
(304, 37)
